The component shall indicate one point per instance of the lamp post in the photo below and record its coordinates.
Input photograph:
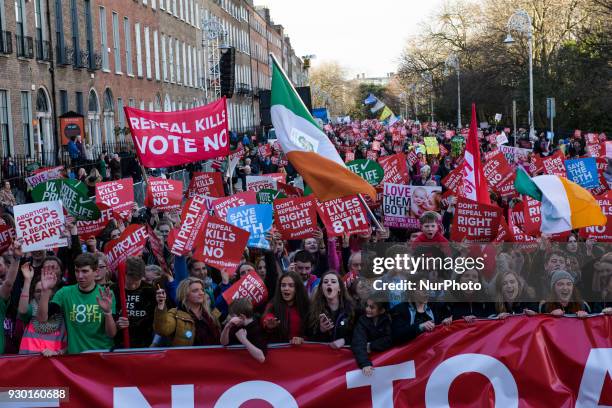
(429, 79)
(520, 21)
(453, 62)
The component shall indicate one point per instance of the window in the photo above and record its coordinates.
(26, 123)
(164, 60)
(116, 43)
(192, 12)
(162, 4)
(171, 58)
(153, 4)
(128, 45)
(181, 9)
(138, 50)
(79, 102)
(103, 40)
(144, 2)
(174, 10)
(188, 67)
(156, 54)
(74, 19)
(194, 68)
(185, 66)
(20, 28)
(121, 113)
(147, 52)
(178, 62)
(5, 124)
(41, 31)
(63, 102)
(89, 30)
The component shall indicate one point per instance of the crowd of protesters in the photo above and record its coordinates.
(66, 301)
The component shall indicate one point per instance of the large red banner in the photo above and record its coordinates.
(527, 362)
(165, 139)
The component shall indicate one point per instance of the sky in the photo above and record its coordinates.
(364, 36)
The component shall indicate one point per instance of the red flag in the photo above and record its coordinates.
(474, 182)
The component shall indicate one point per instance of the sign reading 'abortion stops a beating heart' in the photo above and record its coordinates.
(40, 225)
(165, 139)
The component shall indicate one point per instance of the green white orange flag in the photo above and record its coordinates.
(308, 149)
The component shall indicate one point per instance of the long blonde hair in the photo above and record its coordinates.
(183, 291)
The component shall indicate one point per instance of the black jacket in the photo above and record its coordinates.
(378, 335)
(405, 324)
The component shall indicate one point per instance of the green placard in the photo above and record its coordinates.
(267, 196)
(457, 143)
(369, 170)
(73, 194)
(32, 167)
(307, 191)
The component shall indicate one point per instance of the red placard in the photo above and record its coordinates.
(475, 222)
(601, 233)
(371, 155)
(95, 227)
(7, 235)
(192, 221)
(349, 156)
(395, 169)
(596, 149)
(278, 177)
(499, 174)
(157, 247)
(412, 158)
(131, 243)
(250, 286)
(164, 194)
(344, 215)
(238, 153)
(532, 216)
(264, 150)
(289, 190)
(118, 195)
(555, 164)
(295, 218)
(503, 231)
(166, 139)
(206, 183)
(454, 180)
(223, 204)
(221, 245)
(602, 165)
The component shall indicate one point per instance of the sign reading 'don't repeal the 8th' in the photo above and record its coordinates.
(475, 222)
(222, 244)
(344, 215)
(295, 218)
(165, 139)
(40, 225)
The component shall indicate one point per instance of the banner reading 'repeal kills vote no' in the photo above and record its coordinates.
(164, 139)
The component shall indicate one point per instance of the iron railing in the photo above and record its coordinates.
(43, 50)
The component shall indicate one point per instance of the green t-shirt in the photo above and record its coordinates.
(84, 319)
(3, 306)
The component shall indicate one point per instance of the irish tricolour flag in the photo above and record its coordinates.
(565, 205)
(308, 149)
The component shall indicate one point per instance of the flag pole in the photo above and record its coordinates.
(229, 176)
(370, 213)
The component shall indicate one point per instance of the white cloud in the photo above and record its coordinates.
(364, 36)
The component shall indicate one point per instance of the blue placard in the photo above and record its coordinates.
(583, 172)
(256, 219)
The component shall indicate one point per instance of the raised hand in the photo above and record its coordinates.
(48, 280)
(27, 271)
(105, 299)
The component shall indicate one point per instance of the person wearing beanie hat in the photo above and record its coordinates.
(564, 297)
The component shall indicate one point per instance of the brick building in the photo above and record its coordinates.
(94, 57)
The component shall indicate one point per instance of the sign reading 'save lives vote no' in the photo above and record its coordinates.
(165, 139)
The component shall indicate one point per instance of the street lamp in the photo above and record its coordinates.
(453, 62)
(520, 22)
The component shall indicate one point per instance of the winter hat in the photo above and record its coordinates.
(558, 275)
